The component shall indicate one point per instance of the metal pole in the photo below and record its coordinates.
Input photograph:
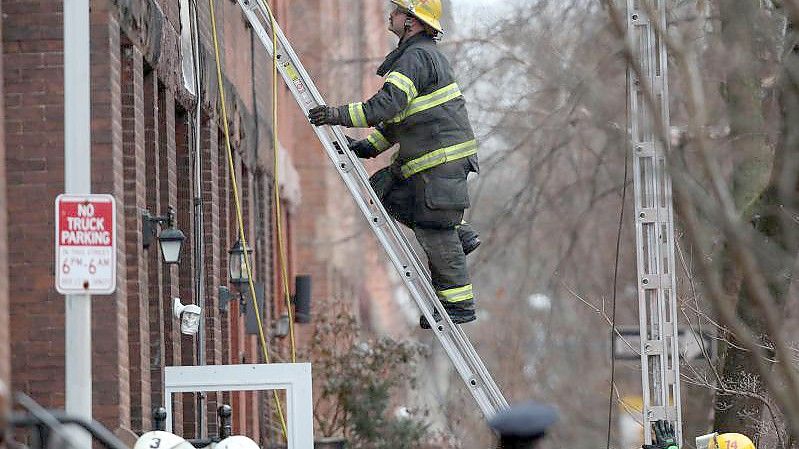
(77, 180)
(199, 241)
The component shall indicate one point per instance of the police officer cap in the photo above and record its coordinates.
(526, 420)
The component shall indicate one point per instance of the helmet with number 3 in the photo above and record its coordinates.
(158, 439)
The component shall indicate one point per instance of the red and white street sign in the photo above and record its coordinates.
(85, 249)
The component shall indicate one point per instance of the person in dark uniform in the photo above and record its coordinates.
(523, 425)
(421, 108)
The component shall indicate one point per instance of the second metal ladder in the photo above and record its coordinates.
(654, 222)
(457, 346)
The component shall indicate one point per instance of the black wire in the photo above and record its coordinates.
(615, 281)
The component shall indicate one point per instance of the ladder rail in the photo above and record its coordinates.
(465, 359)
(654, 225)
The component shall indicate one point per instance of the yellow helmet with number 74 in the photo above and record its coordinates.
(428, 11)
(731, 441)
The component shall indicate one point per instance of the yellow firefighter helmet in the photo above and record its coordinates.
(428, 11)
(731, 441)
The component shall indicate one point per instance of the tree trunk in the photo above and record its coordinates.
(766, 208)
(745, 114)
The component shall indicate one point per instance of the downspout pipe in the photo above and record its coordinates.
(199, 234)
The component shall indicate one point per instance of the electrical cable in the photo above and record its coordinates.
(278, 214)
(232, 168)
(615, 283)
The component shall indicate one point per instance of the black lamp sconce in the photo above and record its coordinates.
(170, 239)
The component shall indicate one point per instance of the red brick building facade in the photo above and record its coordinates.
(5, 359)
(142, 153)
(341, 44)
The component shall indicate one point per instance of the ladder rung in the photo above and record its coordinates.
(650, 282)
(648, 215)
(645, 149)
(655, 413)
(653, 347)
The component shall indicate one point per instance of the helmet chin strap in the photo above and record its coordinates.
(408, 25)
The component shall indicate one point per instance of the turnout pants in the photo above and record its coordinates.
(431, 203)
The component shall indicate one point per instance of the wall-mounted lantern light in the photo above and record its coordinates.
(236, 266)
(170, 239)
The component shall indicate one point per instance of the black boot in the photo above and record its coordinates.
(470, 239)
(458, 313)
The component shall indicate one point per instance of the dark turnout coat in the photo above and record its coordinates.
(420, 107)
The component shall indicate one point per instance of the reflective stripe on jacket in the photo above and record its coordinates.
(420, 106)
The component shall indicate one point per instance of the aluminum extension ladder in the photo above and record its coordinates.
(654, 223)
(457, 346)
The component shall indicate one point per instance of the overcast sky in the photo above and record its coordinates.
(469, 12)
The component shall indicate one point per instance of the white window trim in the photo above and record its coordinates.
(294, 378)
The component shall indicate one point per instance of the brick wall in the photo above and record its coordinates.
(185, 214)
(134, 202)
(142, 154)
(33, 93)
(154, 268)
(343, 66)
(215, 273)
(168, 196)
(5, 360)
(110, 364)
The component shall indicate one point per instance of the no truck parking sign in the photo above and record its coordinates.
(85, 244)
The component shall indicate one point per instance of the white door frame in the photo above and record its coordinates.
(294, 378)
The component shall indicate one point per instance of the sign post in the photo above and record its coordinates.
(77, 180)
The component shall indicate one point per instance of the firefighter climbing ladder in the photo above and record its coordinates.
(654, 224)
(452, 338)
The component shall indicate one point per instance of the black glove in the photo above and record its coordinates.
(664, 436)
(324, 115)
(363, 149)
(383, 181)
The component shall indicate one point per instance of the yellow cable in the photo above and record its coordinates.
(239, 216)
(279, 216)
